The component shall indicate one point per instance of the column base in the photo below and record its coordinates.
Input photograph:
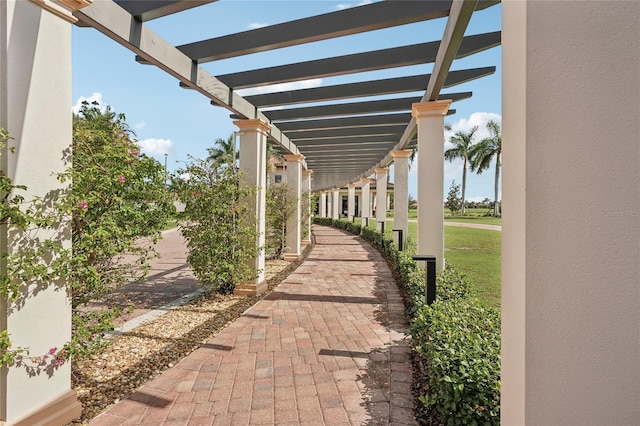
(250, 289)
(305, 243)
(61, 411)
(292, 257)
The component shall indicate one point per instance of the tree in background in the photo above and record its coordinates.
(223, 153)
(412, 202)
(453, 201)
(483, 153)
(462, 145)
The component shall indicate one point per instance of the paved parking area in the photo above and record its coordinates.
(327, 346)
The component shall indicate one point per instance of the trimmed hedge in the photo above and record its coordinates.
(456, 340)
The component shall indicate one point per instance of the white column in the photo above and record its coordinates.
(365, 202)
(294, 227)
(323, 204)
(253, 153)
(35, 108)
(571, 224)
(306, 188)
(381, 196)
(335, 203)
(401, 190)
(351, 200)
(430, 121)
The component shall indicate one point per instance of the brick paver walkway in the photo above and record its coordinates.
(326, 347)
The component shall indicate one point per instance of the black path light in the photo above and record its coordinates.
(430, 276)
(400, 238)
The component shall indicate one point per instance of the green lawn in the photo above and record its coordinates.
(475, 253)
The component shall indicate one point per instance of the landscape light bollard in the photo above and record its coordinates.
(400, 239)
(366, 222)
(381, 234)
(430, 278)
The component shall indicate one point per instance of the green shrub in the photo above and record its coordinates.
(280, 205)
(459, 341)
(218, 225)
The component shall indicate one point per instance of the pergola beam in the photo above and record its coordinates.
(359, 62)
(152, 9)
(315, 28)
(291, 127)
(345, 140)
(416, 83)
(354, 108)
(348, 131)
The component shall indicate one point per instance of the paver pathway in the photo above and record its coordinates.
(326, 347)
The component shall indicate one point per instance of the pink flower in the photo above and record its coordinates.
(83, 205)
(60, 361)
(53, 351)
(121, 179)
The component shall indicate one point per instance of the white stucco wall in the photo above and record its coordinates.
(35, 75)
(571, 227)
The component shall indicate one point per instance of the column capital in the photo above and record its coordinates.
(401, 153)
(293, 158)
(252, 125)
(335, 189)
(63, 8)
(307, 172)
(381, 170)
(430, 109)
(365, 180)
(351, 185)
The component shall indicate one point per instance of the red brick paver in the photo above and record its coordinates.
(328, 346)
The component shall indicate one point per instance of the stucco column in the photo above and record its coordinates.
(35, 50)
(366, 199)
(382, 174)
(430, 121)
(571, 223)
(323, 204)
(335, 203)
(351, 200)
(401, 190)
(253, 162)
(294, 226)
(306, 188)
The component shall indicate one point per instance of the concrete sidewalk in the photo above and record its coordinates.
(327, 346)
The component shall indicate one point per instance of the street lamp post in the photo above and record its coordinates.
(166, 175)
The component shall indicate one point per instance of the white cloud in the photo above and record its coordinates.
(140, 125)
(282, 87)
(153, 147)
(343, 6)
(479, 119)
(254, 25)
(95, 97)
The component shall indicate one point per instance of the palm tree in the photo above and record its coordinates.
(462, 144)
(223, 151)
(483, 152)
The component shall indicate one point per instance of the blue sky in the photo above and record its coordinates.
(179, 122)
